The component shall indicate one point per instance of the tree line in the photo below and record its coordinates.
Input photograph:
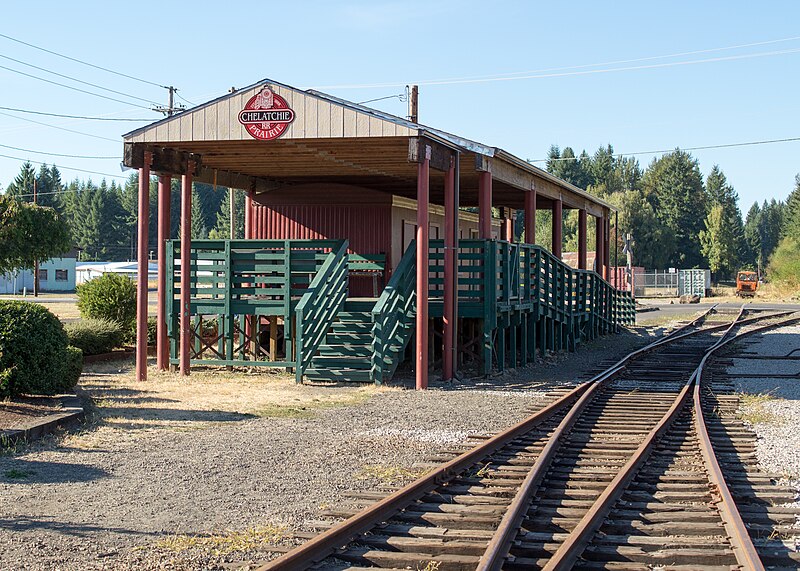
(102, 218)
(676, 218)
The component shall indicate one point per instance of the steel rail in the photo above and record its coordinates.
(744, 550)
(340, 534)
(498, 547)
(567, 554)
(326, 543)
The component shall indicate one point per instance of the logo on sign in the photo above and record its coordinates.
(266, 115)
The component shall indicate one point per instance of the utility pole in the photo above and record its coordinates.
(171, 108)
(413, 109)
(36, 263)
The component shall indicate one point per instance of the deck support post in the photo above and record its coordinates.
(582, 239)
(450, 272)
(508, 234)
(530, 216)
(186, 244)
(558, 227)
(423, 172)
(485, 205)
(162, 342)
(142, 269)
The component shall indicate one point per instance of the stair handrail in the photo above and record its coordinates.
(392, 313)
(319, 306)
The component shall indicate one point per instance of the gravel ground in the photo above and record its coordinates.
(775, 413)
(231, 486)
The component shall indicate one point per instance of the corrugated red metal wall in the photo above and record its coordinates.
(366, 226)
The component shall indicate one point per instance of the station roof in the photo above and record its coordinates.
(334, 140)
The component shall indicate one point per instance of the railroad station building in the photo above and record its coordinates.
(369, 240)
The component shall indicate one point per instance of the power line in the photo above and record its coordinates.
(702, 148)
(56, 154)
(71, 87)
(648, 58)
(63, 167)
(400, 96)
(83, 62)
(565, 74)
(72, 116)
(61, 128)
(75, 79)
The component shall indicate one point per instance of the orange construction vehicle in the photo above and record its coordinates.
(746, 284)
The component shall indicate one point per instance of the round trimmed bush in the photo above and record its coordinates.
(34, 358)
(94, 336)
(110, 296)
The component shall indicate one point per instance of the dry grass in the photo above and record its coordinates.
(121, 407)
(752, 408)
(226, 542)
(387, 474)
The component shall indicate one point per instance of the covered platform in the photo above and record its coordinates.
(357, 240)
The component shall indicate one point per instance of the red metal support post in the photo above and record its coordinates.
(423, 172)
(248, 215)
(449, 270)
(186, 244)
(582, 239)
(142, 268)
(530, 216)
(485, 205)
(162, 343)
(558, 228)
(607, 250)
(599, 264)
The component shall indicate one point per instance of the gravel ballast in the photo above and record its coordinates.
(775, 418)
(112, 506)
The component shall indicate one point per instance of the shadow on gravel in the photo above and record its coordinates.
(19, 471)
(133, 413)
(21, 524)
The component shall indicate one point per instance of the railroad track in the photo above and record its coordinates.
(620, 472)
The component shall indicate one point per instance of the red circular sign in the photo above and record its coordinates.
(266, 115)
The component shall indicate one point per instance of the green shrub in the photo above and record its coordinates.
(110, 296)
(33, 351)
(74, 368)
(151, 331)
(94, 336)
(784, 265)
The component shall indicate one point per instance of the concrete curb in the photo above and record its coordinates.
(72, 412)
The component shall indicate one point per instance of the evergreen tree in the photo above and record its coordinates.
(717, 242)
(199, 229)
(222, 228)
(752, 236)
(674, 186)
(791, 214)
(653, 240)
(22, 186)
(725, 225)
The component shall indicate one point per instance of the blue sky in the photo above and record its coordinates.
(204, 48)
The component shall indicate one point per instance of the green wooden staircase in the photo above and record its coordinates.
(346, 353)
(366, 340)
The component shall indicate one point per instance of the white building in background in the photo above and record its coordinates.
(86, 271)
(56, 274)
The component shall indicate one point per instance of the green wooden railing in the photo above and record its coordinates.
(319, 306)
(236, 282)
(393, 317)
